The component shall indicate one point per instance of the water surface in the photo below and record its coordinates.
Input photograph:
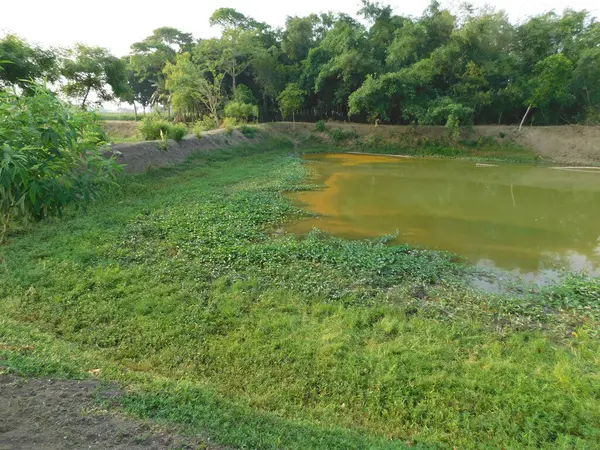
(531, 221)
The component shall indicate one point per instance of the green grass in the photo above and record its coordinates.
(119, 116)
(180, 289)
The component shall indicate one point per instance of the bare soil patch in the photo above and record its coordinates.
(47, 414)
(141, 156)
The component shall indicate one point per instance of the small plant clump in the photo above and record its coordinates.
(339, 135)
(207, 123)
(249, 131)
(154, 128)
(320, 126)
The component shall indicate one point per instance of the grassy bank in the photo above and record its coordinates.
(183, 290)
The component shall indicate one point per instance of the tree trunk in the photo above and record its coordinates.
(85, 97)
(233, 74)
(524, 117)
(135, 111)
(4, 231)
(144, 106)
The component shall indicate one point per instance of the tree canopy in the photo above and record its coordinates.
(442, 68)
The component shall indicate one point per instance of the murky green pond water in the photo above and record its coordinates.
(530, 221)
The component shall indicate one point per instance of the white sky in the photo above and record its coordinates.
(116, 24)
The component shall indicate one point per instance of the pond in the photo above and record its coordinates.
(531, 221)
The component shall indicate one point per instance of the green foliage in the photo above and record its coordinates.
(177, 131)
(127, 116)
(243, 94)
(575, 292)
(24, 62)
(230, 123)
(195, 89)
(249, 131)
(207, 123)
(290, 100)
(154, 128)
(50, 157)
(306, 343)
(320, 126)
(93, 70)
(391, 68)
(148, 59)
(242, 112)
(552, 79)
(339, 135)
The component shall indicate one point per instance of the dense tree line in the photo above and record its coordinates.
(472, 68)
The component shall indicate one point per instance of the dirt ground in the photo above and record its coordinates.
(565, 145)
(142, 156)
(44, 414)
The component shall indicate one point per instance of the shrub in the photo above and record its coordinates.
(248, 131)
(242, 112)
(197, 130)
(153, 128)
(338, 135)
(177, 131)
(50, 156)
(229, 123)
(502, 135)
(320, 126)
(207, 123)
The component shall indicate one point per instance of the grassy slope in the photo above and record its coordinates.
(266, 341)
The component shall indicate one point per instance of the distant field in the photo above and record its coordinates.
(118, 116)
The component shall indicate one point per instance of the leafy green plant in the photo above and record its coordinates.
(575, 291)
(207, 123)
(320, 126)
(50, 157)
(290, 101)
(248, 131)
(229, 123)
(242, 112)
(177, 131)
(154, 128)
(163, 142)
(338, 135)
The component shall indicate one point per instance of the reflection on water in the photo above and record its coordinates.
(525, 220)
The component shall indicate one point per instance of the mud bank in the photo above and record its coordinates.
(146, 155)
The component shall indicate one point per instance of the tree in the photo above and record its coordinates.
(141, 90)
(290, 100)
(194, 87)
(26, 63)
(94, 70)
(586, 82)
(550, 83)
(149, 57)
(299, 36)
